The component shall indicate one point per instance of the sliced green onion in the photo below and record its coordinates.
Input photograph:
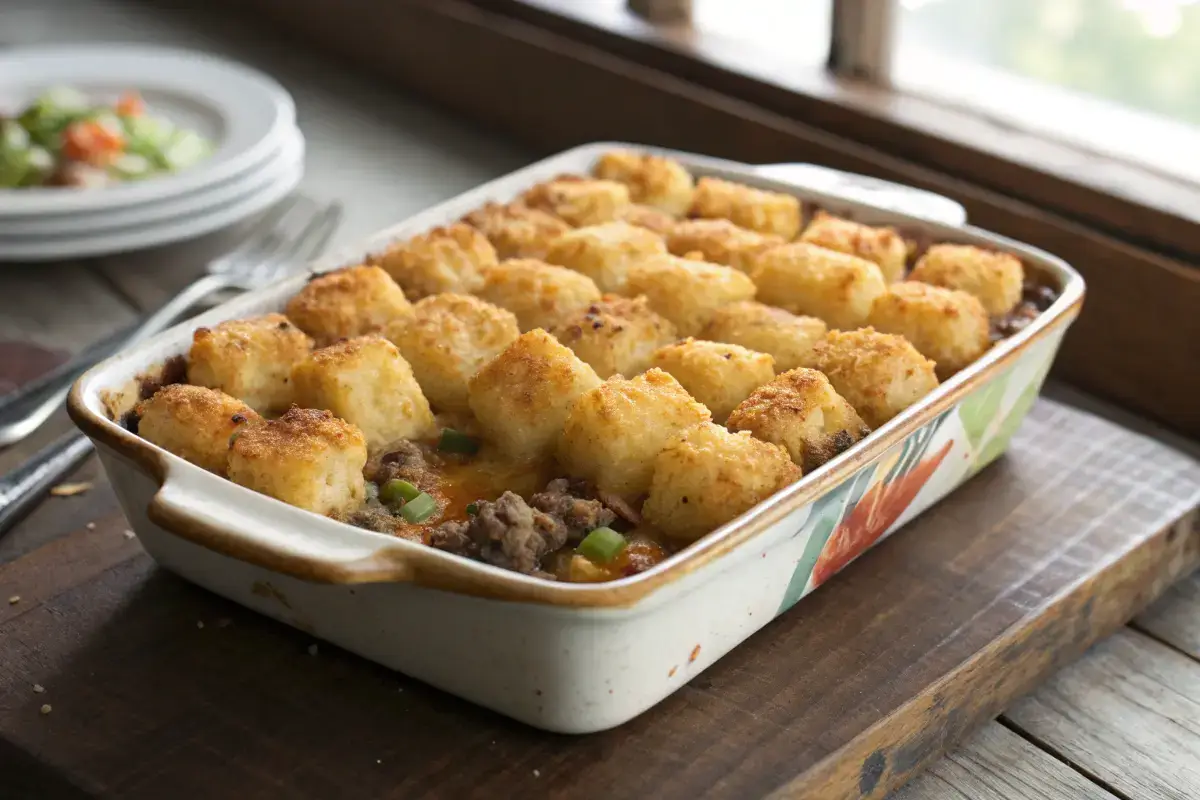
(472, 510)
(453, 441)
(419, 509)
(397, 491)
(602, 545)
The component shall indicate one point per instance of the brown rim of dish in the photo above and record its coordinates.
(408, 562)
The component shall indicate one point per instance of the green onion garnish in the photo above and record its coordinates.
(602, 545)
(472, 509)
(397, 491)
(419, 509)
(453, 441)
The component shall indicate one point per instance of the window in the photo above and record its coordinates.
(1113, 75)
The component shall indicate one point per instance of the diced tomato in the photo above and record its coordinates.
(92, 143)
(131, 105)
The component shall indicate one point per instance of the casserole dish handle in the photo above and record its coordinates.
(865, 189)
(274, 535)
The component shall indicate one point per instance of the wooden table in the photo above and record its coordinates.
(159, 689)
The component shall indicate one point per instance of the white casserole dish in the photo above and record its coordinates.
(570, 658)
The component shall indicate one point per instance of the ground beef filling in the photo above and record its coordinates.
(513, 534)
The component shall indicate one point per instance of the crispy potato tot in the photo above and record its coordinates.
(614, 432)
(880, 374)
(447, 339)
(686, 291)
(945, 325)
(605, 252)
(517, 231)
(805, 279)
(756, 209)
(718, 375)
(195, 423)
(801, 412)
(522, 396)
(721, 242)
(579, 201)
(995, 278)
(250, 359)
(882, 246)
(784, 336)
(652, 180)
(616, 335)
(347, 302)
(707, 476)
(450, 259)
(306, 458)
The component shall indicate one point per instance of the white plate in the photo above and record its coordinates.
(242, 111)
(138, 237)
(282, 162)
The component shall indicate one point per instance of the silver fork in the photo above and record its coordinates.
(267, 253)
(292, 234)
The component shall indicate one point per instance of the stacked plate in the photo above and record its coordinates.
(257, 156)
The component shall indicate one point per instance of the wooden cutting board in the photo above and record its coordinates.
(156, 685)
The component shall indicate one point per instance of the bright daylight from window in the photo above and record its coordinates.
(1114, 75)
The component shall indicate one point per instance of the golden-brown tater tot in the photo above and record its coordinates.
(539, 294)
(616, 335)
(652, 180)
(946, 325)
(995, 278)
(882, 245)
(721, 242)
(718, 375)
(801, 412)
(450, 259)
(756, 209)
(605, 252)
(806, 279)
(687, 291)
(347, 302)
(579, 201)
(782, 335)
(517, 231)
(707, 476)
(880, 374)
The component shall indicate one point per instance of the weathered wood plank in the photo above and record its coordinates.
(1128, 713)
(1175, 618)
(854, 691)
(997, 764)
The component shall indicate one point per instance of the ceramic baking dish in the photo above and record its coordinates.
(565, 657)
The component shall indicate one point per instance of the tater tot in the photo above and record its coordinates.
(450, 259)
(306, 458)
(721, 242)
(882, 246)
(801, 412)
(194, 422)
(604, 252)
(366, 382)
(945, 325)
(347, 302)
(447, 339)
(539, 294)
(522, 396)
(718, 375)
(616, 335)
(756, 209)
(652, 180)
(995, 278)
(250, 359)
(707, 476)
(577, 200)
(615, 431)
(687, 291)
(784, 336)
(515, 230)
(880, 374)
(806, 279)
(652, 219)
